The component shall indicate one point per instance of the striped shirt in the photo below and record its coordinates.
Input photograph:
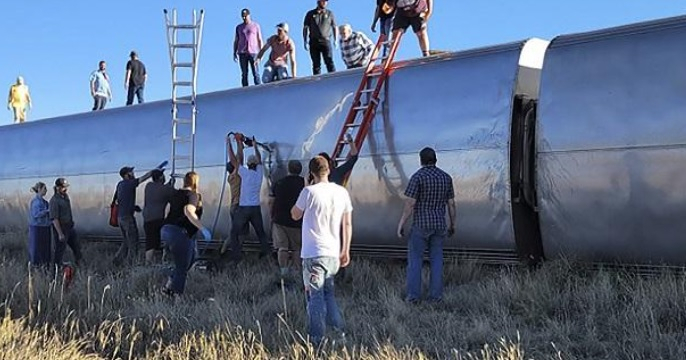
(357, 50)
(431, 187)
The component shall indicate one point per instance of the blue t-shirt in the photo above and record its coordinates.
(126, 196)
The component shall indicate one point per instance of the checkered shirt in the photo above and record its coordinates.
(357, 49)
(431, 187)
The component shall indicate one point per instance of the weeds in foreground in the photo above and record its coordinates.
(559, 311)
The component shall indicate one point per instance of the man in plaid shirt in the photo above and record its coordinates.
(356, 48)
(429, 192)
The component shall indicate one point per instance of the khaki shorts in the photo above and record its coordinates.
(287, 238)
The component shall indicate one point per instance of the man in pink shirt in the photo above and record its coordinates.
(282, 48)
(246, 44)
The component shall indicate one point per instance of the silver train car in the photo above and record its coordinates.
(561, 149)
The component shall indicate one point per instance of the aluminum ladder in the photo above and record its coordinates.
(363, 109)
(184, 50)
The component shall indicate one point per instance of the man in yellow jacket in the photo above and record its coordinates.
(19, 100)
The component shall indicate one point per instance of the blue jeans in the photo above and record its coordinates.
(419, 240)
(129, 245)
(385, 25)
(136, 90)
(39, 245)
(274, 73)
(182, 249)
(322, 309)
(245, 60)
(241, 218)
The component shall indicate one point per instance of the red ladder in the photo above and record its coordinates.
(374, 77)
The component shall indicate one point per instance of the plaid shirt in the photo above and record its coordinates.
(432, 188)
(356, 50)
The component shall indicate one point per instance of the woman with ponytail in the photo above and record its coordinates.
(39, 227)
(181, 224)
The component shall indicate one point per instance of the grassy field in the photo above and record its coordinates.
(559, 311)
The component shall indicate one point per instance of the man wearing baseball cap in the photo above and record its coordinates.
(125, 197)
(320, 25)
(63, 223)
(282, 47)
(246, 44)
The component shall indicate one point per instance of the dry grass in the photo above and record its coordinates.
(556, 312)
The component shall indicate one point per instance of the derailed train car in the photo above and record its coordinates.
(589, 171)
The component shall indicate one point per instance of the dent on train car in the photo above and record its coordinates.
(459, 103)
(611, 139)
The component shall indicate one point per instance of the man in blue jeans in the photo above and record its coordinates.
(323, 207)
(136, 75)
(428, 193)
(246, 44)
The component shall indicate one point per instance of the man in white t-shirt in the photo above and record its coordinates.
(249, 210)
(323, 206)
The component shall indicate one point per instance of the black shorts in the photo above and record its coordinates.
(153, 240)
(401, 22)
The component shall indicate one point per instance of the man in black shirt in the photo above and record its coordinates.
(338, 173)
(135, 79)
(320, 25)
(125, 197)
(287, 233)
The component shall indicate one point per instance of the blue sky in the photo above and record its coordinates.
(56, 46)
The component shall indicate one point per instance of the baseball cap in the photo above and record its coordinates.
(283, 26)
(125, 170)
(133, 53)
(252, 159)
(61, 182)
(245, 11)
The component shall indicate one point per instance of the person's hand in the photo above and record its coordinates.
(235, 57)
(206, 234)
(401, 231)
(9, 106)
(451, 230)
(373, 27)
(137, 208)
(61, 237)
(345, 259)
(307, 47)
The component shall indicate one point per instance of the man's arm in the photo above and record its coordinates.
(429, 9)
(28, 97)
(297, 213)
(145, 176)
(451, 213)
(128, 77)
(93, 89)
(298, 210)
(347, 238)
(54, 215)
(235, 45)
(407, 212)
(258, 154)
(376, 18)
(294, 67)
(306, 29)
(232, 156)
(259, 37)
(335, 29)
(240, 151)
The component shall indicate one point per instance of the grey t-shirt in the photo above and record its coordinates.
(60, 209)
(157, 197)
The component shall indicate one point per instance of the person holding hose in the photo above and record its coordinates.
(181, 224)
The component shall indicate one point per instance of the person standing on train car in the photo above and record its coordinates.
(136, 75)
(181, 224)
(63, 231)
(356, 48)
(428, 193)
(326, 211)
(415, 13)
(282, 47)
(157, 196)
(383, 14)
(100, 87)
(320, 26)
(287, 233)
(125, 197)
(19, 100)
(39, 227)
(246, 44)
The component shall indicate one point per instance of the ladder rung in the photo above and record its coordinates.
(183, 46)
(375, 74)
(183, 121)
(182, 101)
(183, 83)
(183, 26)
(341, 159)
(360, 107)
(352, 125)
(185, 65)
(182, 157)
(183, 139)
(368, 91)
